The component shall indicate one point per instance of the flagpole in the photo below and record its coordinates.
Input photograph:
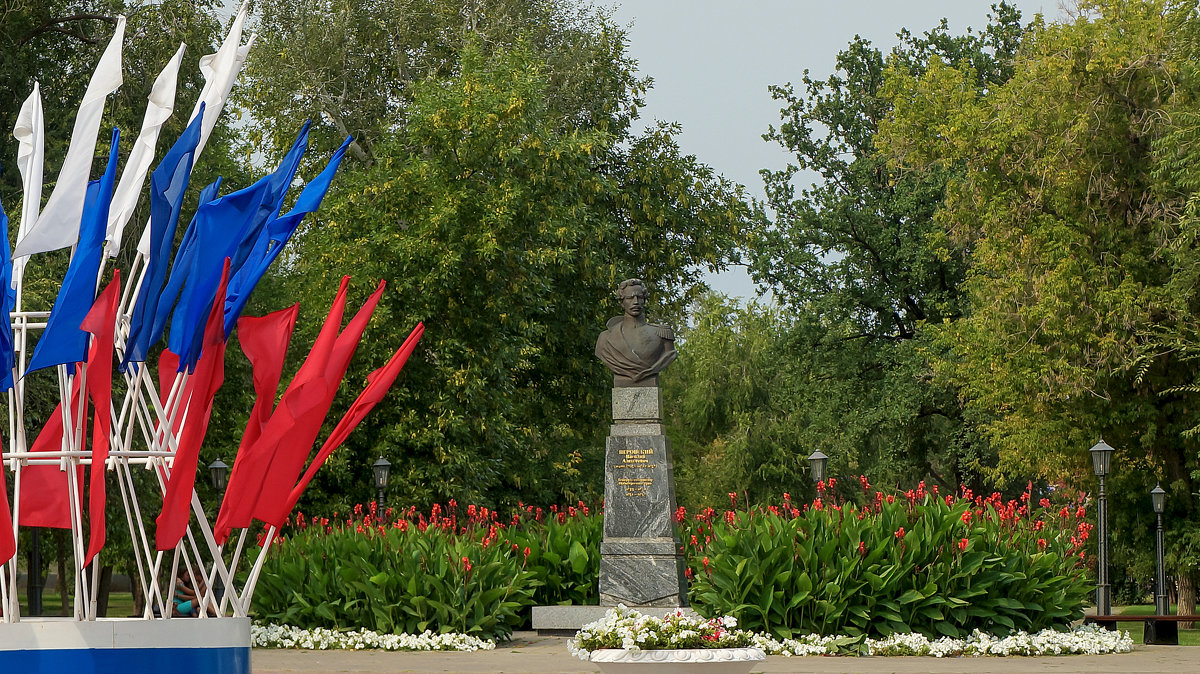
(233, 562)
(122, 471)
(248, 588)
(18, 464)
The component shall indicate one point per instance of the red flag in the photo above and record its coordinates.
(8, 542)
(45, 501)
(208, 377)
(168, 372)
(308, 407)
(100, 321)
(264, 340)
(379, 383)
(237, 512)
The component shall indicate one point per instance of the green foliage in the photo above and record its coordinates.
(394, 580)
(918, 564)
(751, 397)
(564, 554)
(505, 228)
(352, 67)
(859, 259)
(1074, 206)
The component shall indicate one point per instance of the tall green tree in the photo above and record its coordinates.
(1067, 211)
(350, 66)
(505, 228)
(859, 255)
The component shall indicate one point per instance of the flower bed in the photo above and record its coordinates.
(624, 628)
(321, 639)
(934, 564)
(862, 564)
(1085, 640)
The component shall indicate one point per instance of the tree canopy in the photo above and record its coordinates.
(506, 230)
(1070, 201)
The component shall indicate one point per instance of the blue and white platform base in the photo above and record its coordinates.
(175, 646)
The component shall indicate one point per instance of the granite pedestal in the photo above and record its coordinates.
(640, 563)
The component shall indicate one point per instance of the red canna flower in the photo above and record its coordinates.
(900, 533)
(962, 545)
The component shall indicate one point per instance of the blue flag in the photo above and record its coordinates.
(7, 301)
(228, 227)
(63, 341)
(274, 236)
(179, 269)
(168, 184)
(278, 183)
(219, 227)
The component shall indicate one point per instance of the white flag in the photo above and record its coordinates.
(158, 110)
(30, 135)
(58, 225)
(220, 70)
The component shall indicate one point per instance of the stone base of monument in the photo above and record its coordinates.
(640, 563)
(642, 572)
(565, 621)
(177, 645)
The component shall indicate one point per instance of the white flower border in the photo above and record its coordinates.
(321, 639)
(632, 628)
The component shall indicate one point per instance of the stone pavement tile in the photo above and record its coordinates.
(530, 653)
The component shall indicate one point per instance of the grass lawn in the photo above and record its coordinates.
(120, 604)
(1186, 637)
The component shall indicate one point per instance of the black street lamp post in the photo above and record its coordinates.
(1101, 461)
(382, 468)
(219, 472)
(1158, 497)
(817, 461)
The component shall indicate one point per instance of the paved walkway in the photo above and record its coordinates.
(529, 652)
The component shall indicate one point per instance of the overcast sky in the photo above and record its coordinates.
(712, 61)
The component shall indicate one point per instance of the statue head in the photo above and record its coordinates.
(632, 294)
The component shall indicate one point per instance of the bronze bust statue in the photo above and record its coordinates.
(635, 351)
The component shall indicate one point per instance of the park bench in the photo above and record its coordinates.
(1159, 629)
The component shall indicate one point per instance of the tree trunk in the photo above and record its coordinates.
(102, 591)
(1186, 582)
(60, 542)
(139, 599)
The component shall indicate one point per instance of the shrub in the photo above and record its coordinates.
(403, 576)
(918, 563)
(564, 552)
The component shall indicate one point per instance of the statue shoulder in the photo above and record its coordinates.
(664, 331)
(613, 321)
